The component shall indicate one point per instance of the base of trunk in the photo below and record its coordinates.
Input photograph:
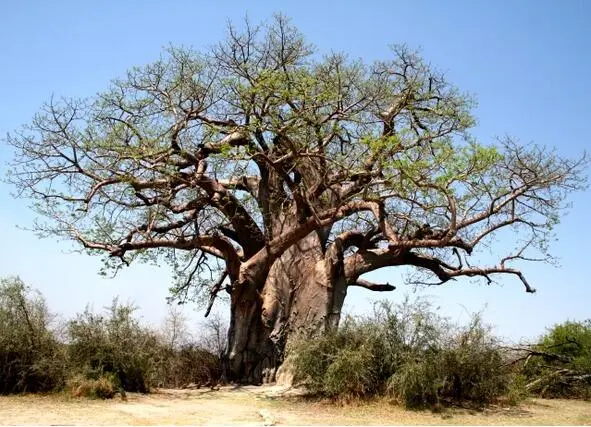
(301, 295)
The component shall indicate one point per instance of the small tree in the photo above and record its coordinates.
(175, 330)
(288, 175)
(214, 336)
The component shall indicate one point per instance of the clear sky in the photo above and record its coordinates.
(528, 63)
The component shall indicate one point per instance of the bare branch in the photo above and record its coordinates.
(217, 286)
(376, 287)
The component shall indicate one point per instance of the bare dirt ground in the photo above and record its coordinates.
(265, 405)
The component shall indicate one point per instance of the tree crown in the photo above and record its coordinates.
(224, 159)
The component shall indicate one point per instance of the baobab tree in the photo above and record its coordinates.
(266, 171)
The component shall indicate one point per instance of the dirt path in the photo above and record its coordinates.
(257, 405)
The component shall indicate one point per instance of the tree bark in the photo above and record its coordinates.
(303, 292)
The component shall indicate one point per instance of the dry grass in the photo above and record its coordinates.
(244, 405)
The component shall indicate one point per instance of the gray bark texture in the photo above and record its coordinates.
(303, 292)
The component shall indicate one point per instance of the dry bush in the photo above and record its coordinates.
(189, 364)
(103, 387)
(182, 361)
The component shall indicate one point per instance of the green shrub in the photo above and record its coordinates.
(114, 344)
(352, 372)
(559, 365)
(417, 383)
(467, 368)
(344, 363)
(31, 358)
(111, 346)
(408, 352)
(516, 388)
(138, 358)
(359, 358)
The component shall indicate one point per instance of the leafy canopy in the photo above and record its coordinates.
(223, 159)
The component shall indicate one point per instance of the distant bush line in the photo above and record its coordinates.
(406, 352)
(417, 358)
(96, 354)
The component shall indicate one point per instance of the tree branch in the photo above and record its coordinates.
(376, 287)
(217, 286)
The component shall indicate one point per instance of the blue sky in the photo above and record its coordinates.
(527, 62)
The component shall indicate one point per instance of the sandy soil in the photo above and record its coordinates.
(265, 405)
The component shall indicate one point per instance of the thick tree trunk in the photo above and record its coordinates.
(303, 292)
